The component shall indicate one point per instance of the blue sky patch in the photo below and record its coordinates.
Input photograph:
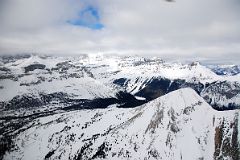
(89, 17)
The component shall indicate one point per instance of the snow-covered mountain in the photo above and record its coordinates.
(90, 77)
(179, 125)
(95, 106)
(225, 69)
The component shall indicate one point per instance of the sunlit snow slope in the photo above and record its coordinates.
(179, 125)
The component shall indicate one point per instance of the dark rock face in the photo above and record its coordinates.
(32, 67)
(227, 146)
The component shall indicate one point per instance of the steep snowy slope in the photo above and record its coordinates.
(165, 128)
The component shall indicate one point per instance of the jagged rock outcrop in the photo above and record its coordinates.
(32, 67)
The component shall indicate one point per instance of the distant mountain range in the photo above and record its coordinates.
(229, 70)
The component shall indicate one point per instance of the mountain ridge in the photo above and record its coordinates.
(114, 107)
(182, 118)
(112, 74)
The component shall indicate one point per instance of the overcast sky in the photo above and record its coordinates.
(184, 29)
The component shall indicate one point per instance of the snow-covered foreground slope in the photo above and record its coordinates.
(179, 125)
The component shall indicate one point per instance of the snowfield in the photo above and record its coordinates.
(111, 107)
(179, 125)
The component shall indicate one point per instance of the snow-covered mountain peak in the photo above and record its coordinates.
(176, 106)
(164, 128)
(182, 98)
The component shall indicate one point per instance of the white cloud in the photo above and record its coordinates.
(182, 29)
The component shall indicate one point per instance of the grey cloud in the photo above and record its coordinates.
(186, 29)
